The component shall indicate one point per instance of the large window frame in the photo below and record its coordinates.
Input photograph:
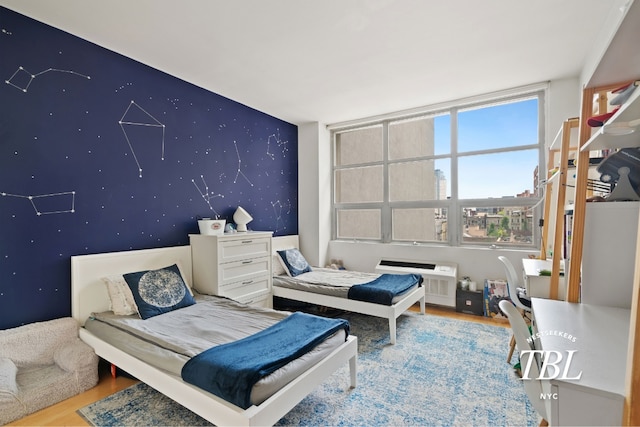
(453, 207)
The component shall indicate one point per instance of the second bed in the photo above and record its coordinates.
(330, 288)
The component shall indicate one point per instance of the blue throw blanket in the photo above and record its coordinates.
(231, 370)
(383, 289)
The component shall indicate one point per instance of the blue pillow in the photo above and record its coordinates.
(158, 291)
(293, 262)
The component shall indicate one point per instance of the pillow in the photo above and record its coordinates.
(158, 291)
(293, 262)
(276, 266)
(120, 296)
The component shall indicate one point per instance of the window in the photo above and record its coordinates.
(465, 174)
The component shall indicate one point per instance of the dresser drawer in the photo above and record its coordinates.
(233, 250)
(245, 287)
(244, 270)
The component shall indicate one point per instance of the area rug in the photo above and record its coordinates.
(441, 372)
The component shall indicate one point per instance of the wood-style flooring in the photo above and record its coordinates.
(64, 413)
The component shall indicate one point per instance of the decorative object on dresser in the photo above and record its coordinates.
(210, 226)
(237, 266)
(242, 218)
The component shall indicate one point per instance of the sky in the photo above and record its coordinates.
(491, 175)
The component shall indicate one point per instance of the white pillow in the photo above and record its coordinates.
(120, 296)
(276, 266)
(184, 278)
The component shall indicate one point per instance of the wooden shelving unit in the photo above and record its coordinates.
(555, 197)
(619, 66)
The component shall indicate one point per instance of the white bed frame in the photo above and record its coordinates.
(89, 295)
(390, 312)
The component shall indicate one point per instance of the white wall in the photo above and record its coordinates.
(563, 101)
(314, 191)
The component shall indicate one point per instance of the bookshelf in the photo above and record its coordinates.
(619, 65)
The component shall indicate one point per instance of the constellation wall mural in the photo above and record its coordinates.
(129, 119)
(22, 79)
(101, 153)
(207, 196)
(47, 204)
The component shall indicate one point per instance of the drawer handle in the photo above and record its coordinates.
(248, 282)
(248, 261)
(246, 241)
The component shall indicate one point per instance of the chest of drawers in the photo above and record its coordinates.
(237, 266)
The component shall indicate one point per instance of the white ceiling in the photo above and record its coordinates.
(337, 60)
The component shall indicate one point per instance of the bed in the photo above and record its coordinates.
(323, 294)
(89, 295)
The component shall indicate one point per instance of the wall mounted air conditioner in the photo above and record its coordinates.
(440, 278)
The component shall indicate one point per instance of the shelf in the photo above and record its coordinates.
(627, 112)
(555, 176)
(573, 139)
(620, 60)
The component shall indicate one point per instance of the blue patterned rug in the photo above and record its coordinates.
(441, 372)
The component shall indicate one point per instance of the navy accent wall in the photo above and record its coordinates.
(101, 153)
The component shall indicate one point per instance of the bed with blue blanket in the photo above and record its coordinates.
(197, 354)
(381, 295)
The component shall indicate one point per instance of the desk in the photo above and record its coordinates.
(602, 335)
(537, 285)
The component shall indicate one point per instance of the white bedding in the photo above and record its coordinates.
(168, 341)
(328, 281)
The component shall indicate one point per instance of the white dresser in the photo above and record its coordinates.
(237, 266)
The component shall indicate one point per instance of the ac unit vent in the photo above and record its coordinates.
(407, 264)
(439, 278)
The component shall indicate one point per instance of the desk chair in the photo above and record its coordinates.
(517, 294)
(533, 386)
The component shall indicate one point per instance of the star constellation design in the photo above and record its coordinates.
(34, 199)
(206, 195)
(277, 209)
(279, 142)
(154, 123)
(18, 75)
(239, 171)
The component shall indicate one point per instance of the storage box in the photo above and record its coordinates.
(494, 292)
(211, 227)
(471, 302)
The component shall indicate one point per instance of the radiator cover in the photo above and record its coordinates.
(440, 278)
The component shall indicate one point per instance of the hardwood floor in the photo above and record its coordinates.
(64, 413)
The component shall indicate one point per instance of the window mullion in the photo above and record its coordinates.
(453, 215)
(386, 208)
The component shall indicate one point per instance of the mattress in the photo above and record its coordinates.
(329, 281)
(169, 340)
